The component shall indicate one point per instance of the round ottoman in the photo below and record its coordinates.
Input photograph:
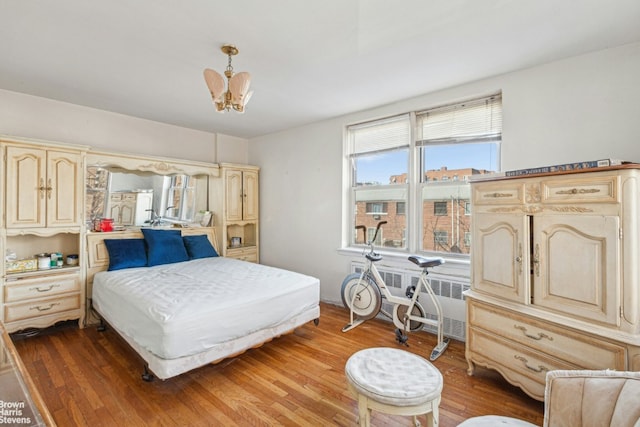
(396, 382)
(495, 421)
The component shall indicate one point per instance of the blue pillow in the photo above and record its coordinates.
(199, 247)
(164, 247)
(126, 253)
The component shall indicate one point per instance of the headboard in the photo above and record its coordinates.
(98, 259)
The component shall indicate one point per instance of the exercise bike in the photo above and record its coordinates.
(362, 294)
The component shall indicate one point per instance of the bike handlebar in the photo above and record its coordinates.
(364, 232)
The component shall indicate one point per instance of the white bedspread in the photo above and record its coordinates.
(185, 308)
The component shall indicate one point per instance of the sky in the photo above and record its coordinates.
(379, 167)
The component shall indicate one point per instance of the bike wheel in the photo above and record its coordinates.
(364, 294)
(399, 312)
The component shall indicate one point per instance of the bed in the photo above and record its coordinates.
(179, 314)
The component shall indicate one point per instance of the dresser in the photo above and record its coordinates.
(239, 224)
(555, 274)
(43, 214)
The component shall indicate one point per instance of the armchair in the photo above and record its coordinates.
(582, 398)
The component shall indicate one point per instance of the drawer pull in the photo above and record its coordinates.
(39, 289)
(539, 369)
(579, 191)
(498, 195)
(46, 308)
(533, 337)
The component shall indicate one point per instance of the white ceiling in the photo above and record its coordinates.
(309, 60)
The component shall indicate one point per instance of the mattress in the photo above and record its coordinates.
(186, 308)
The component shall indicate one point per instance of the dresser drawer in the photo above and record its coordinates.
(601, 189)
(498, 194)
(564, 344)
(41, 287)
(38, 308)
(521, 365)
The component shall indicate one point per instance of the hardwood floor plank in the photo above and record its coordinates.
(92, 378)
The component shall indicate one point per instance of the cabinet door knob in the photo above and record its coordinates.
(536, 260)
(41, 188)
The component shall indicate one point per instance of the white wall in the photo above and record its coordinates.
(577, 109)
(232, 149)
(581, 108)
(33, 117)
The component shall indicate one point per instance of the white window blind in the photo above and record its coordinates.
(477, 120)
(381, 135)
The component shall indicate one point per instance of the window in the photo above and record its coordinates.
(430, 154)
(439, 208)
(376, 207)
(371, 231)
(440, 238)
(379, 165)
(178, 201)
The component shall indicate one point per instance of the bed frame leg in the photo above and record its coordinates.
(316, 321)
(102, 326)
(147, 375)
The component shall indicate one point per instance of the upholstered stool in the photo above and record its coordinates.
(495, 421)
(396, 382)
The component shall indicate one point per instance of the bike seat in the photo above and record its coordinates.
(426, 262)
(373, 257)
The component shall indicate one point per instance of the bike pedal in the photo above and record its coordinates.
(401, 338)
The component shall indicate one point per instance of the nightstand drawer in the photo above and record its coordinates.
(568, 345)
(38, 308)
(40, 287)
(244, 254)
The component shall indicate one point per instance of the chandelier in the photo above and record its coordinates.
(237, 94)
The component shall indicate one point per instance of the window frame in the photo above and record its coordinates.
(438, 237)
(439, 211)
(414, 227)
(185, 192)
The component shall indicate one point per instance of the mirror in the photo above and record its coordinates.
(144, 198)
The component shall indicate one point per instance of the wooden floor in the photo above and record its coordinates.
(89, 378)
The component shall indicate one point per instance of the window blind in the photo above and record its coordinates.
(476, 120)
(380, 135)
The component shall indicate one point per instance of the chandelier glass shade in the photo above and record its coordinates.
(237, 92)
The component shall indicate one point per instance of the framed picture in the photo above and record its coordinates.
(204, 218)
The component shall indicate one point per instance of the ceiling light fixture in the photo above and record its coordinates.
(237, 94)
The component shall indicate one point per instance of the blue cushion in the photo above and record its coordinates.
(164, 247)
(126, 253)
(199, 247)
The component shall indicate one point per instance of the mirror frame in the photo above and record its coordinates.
(157, 165)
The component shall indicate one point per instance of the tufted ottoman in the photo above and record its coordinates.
(495, 421)
(396, 382)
